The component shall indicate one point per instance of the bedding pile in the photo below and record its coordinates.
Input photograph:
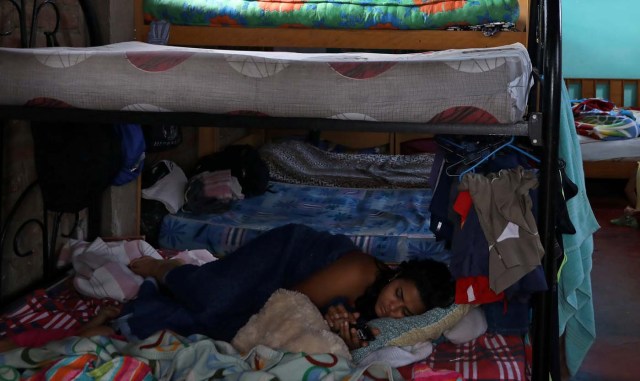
(603, 120)
(326, 14)
(166, 356)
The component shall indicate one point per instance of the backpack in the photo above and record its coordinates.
(162, 137)
(132, 147)
(75, 162)
(245, 164)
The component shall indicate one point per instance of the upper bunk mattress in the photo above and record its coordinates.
(343, 14)
(475, 86)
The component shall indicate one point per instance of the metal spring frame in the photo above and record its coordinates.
(27, 40)
(28, 36)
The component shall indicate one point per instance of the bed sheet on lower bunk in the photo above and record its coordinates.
(596, 150)
(489, 357)
(391, 224)
(471, 86)
(355, 14)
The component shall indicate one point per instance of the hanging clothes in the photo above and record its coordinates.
(503, 205)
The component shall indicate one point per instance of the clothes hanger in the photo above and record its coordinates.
(468, 154)
(507, 144)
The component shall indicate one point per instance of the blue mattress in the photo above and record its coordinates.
(391, 224)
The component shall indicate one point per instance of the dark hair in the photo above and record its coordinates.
(432, 279)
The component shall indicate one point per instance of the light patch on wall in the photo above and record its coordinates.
(600, 40)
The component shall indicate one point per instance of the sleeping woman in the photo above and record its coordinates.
(218, 298)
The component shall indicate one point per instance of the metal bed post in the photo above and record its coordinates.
(28, 36)
(545, 330)
(2, 162)
(95, 37)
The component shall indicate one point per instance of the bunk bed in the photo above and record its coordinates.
(543, 49)
(608, 159)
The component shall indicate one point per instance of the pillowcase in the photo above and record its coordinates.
(412, 329)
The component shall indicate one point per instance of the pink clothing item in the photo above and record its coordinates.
(422, 372)
(111, 280)
(101, 267)
(40, 336)
(220, 185)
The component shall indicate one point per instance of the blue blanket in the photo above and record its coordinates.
(219, 297)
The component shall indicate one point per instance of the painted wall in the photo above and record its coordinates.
(601, 39)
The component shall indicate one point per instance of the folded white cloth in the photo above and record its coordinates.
(195, 257)
(470, 327)
(101, 267)
(169, 190)
(398, 356)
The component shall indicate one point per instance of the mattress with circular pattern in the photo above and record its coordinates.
(465, 86)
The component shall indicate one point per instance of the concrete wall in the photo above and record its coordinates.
(600, 39)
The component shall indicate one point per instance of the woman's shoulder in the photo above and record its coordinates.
(362, 261)
(361, 266)
(348, 277)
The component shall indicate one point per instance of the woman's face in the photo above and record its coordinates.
(398, 299)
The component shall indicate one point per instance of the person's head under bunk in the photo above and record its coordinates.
(219, 297)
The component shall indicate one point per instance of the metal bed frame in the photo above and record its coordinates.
(545, 52)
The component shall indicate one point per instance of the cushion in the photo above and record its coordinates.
(412, 329)
(290, 321)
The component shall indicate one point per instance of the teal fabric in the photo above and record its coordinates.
(575, 304)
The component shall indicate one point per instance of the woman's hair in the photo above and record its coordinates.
(433, 280)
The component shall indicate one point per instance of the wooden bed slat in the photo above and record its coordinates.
(622, 92)
(588, 87)
(334, 38)
(616, 92)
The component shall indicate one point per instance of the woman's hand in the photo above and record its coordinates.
(337, 315)
(341, 322)
(350, 335)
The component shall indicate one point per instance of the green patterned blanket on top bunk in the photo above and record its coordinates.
(333, 14)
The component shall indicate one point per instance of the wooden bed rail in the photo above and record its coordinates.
(203, 36)
(622, 92)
